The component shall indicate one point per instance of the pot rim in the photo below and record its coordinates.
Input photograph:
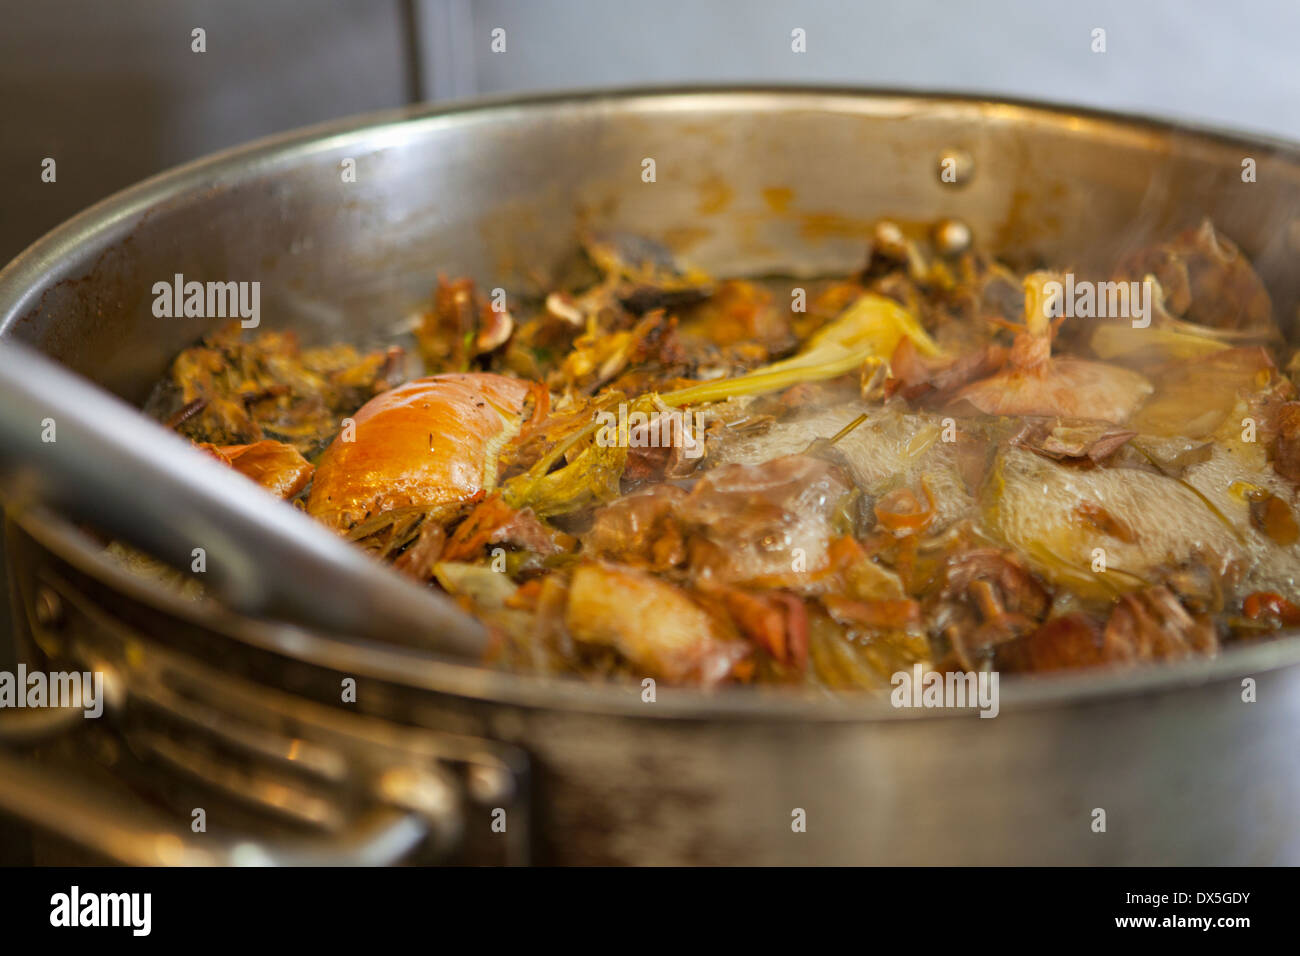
(87, 235)
(110, 219)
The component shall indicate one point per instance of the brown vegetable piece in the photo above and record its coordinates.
(1271, 515)
(987, 598)
(1060, 643)
(1060, 440)
(1286, 447)
(1150, 625)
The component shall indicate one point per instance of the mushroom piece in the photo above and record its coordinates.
(1042, 385)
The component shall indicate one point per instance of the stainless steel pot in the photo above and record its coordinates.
(245, 719)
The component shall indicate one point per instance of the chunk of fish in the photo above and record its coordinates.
(431, 444)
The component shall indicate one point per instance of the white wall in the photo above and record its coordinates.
(1225, 62)
(112, 89)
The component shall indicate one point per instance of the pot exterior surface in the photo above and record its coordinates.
(1178, 776)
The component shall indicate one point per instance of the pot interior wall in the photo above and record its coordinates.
(746, 182)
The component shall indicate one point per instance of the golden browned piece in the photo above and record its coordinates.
(431, 444)
(276, 466)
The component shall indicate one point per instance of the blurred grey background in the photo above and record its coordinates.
(113, 92)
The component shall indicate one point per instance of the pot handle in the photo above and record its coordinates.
(127, 832)
(67, 443)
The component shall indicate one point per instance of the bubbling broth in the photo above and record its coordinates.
(934, 462)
